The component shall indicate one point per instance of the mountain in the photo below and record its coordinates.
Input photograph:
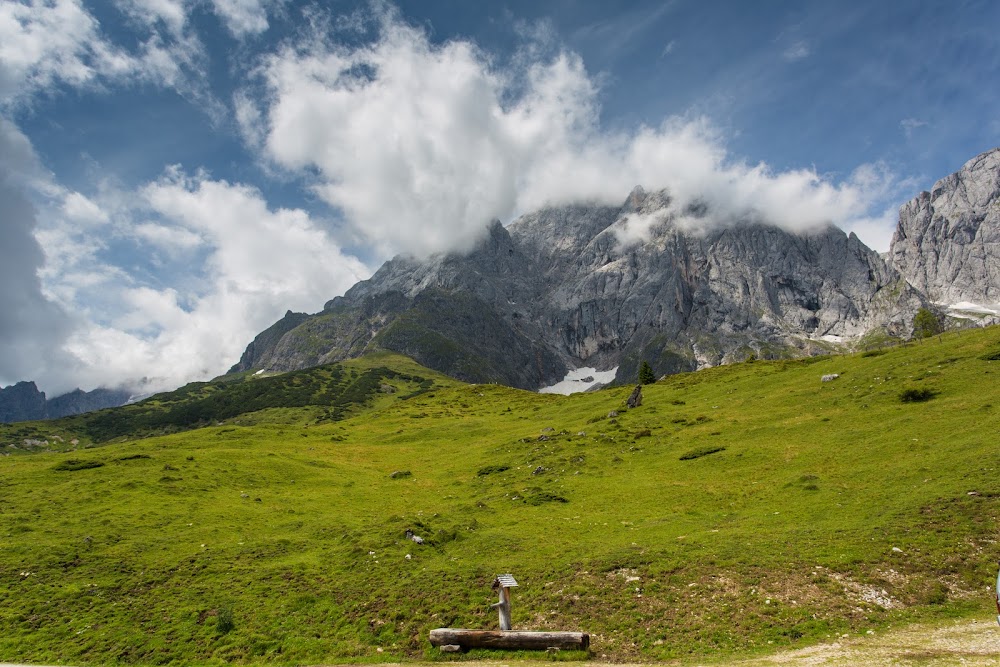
(576, 286)
(947, 243)
(23, 402)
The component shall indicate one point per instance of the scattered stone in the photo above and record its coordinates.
(547, 429)
(830, 377)
(539, 470)
(543, 437)
(451, 648)
(635, 400)
(416, 538)
(399, 474)
(612, 414)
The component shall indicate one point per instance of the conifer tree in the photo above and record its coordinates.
(646, 374)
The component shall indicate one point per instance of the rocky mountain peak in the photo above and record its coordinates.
(947, 241)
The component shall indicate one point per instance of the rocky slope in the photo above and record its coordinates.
(576, 286)
(947, 243)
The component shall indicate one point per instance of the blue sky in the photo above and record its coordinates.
(175, 174)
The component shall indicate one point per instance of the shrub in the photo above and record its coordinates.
(916, 395)
(926, 324)
(224, 620)
(646, 374)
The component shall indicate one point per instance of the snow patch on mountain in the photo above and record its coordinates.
(580, 380)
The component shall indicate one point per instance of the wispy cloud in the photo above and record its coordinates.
(910, 125)
(797, 51)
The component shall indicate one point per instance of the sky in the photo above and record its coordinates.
(176, 174)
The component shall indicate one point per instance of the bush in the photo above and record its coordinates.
(646, 374)
(926, 324)
(224, 620)
(916, 395)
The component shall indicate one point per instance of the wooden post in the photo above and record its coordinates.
(504, 607)
(504, 582)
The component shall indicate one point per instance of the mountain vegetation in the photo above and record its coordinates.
(739, 510)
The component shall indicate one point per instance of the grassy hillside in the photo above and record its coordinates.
(738, 510)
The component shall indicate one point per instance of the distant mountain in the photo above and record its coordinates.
(947, 243)
(23, 402)
(569, 287)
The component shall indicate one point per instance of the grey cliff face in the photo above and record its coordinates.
(566, 287)
(23, 402)
(947, 242)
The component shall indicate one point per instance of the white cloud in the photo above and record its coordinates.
(32, 325)
(43, 42)
(80, 209)
(259, 263)
(242, 17)
(420, 145)
(172, 239)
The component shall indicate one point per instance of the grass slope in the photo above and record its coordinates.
(738, 510)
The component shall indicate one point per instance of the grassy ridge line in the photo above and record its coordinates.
(339, 389)
(827, 508)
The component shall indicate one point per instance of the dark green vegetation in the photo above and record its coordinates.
(646, 374)
(278, 535)
(926, 324)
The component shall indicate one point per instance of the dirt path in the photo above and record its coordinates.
(967, 643)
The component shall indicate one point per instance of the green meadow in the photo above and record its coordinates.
(738, 511)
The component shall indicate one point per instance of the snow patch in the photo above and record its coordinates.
(579, 380)
(259, 372)
(830, 338)
(969, 307)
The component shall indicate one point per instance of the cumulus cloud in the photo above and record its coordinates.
(49, 43)
(421, 144)
(43, 42)
(32, 327)
(259, 262)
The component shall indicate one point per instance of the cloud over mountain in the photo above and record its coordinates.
(420, 145)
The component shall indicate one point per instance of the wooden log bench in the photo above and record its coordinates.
(510, 639)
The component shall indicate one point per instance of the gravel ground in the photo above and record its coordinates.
(968, 643)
